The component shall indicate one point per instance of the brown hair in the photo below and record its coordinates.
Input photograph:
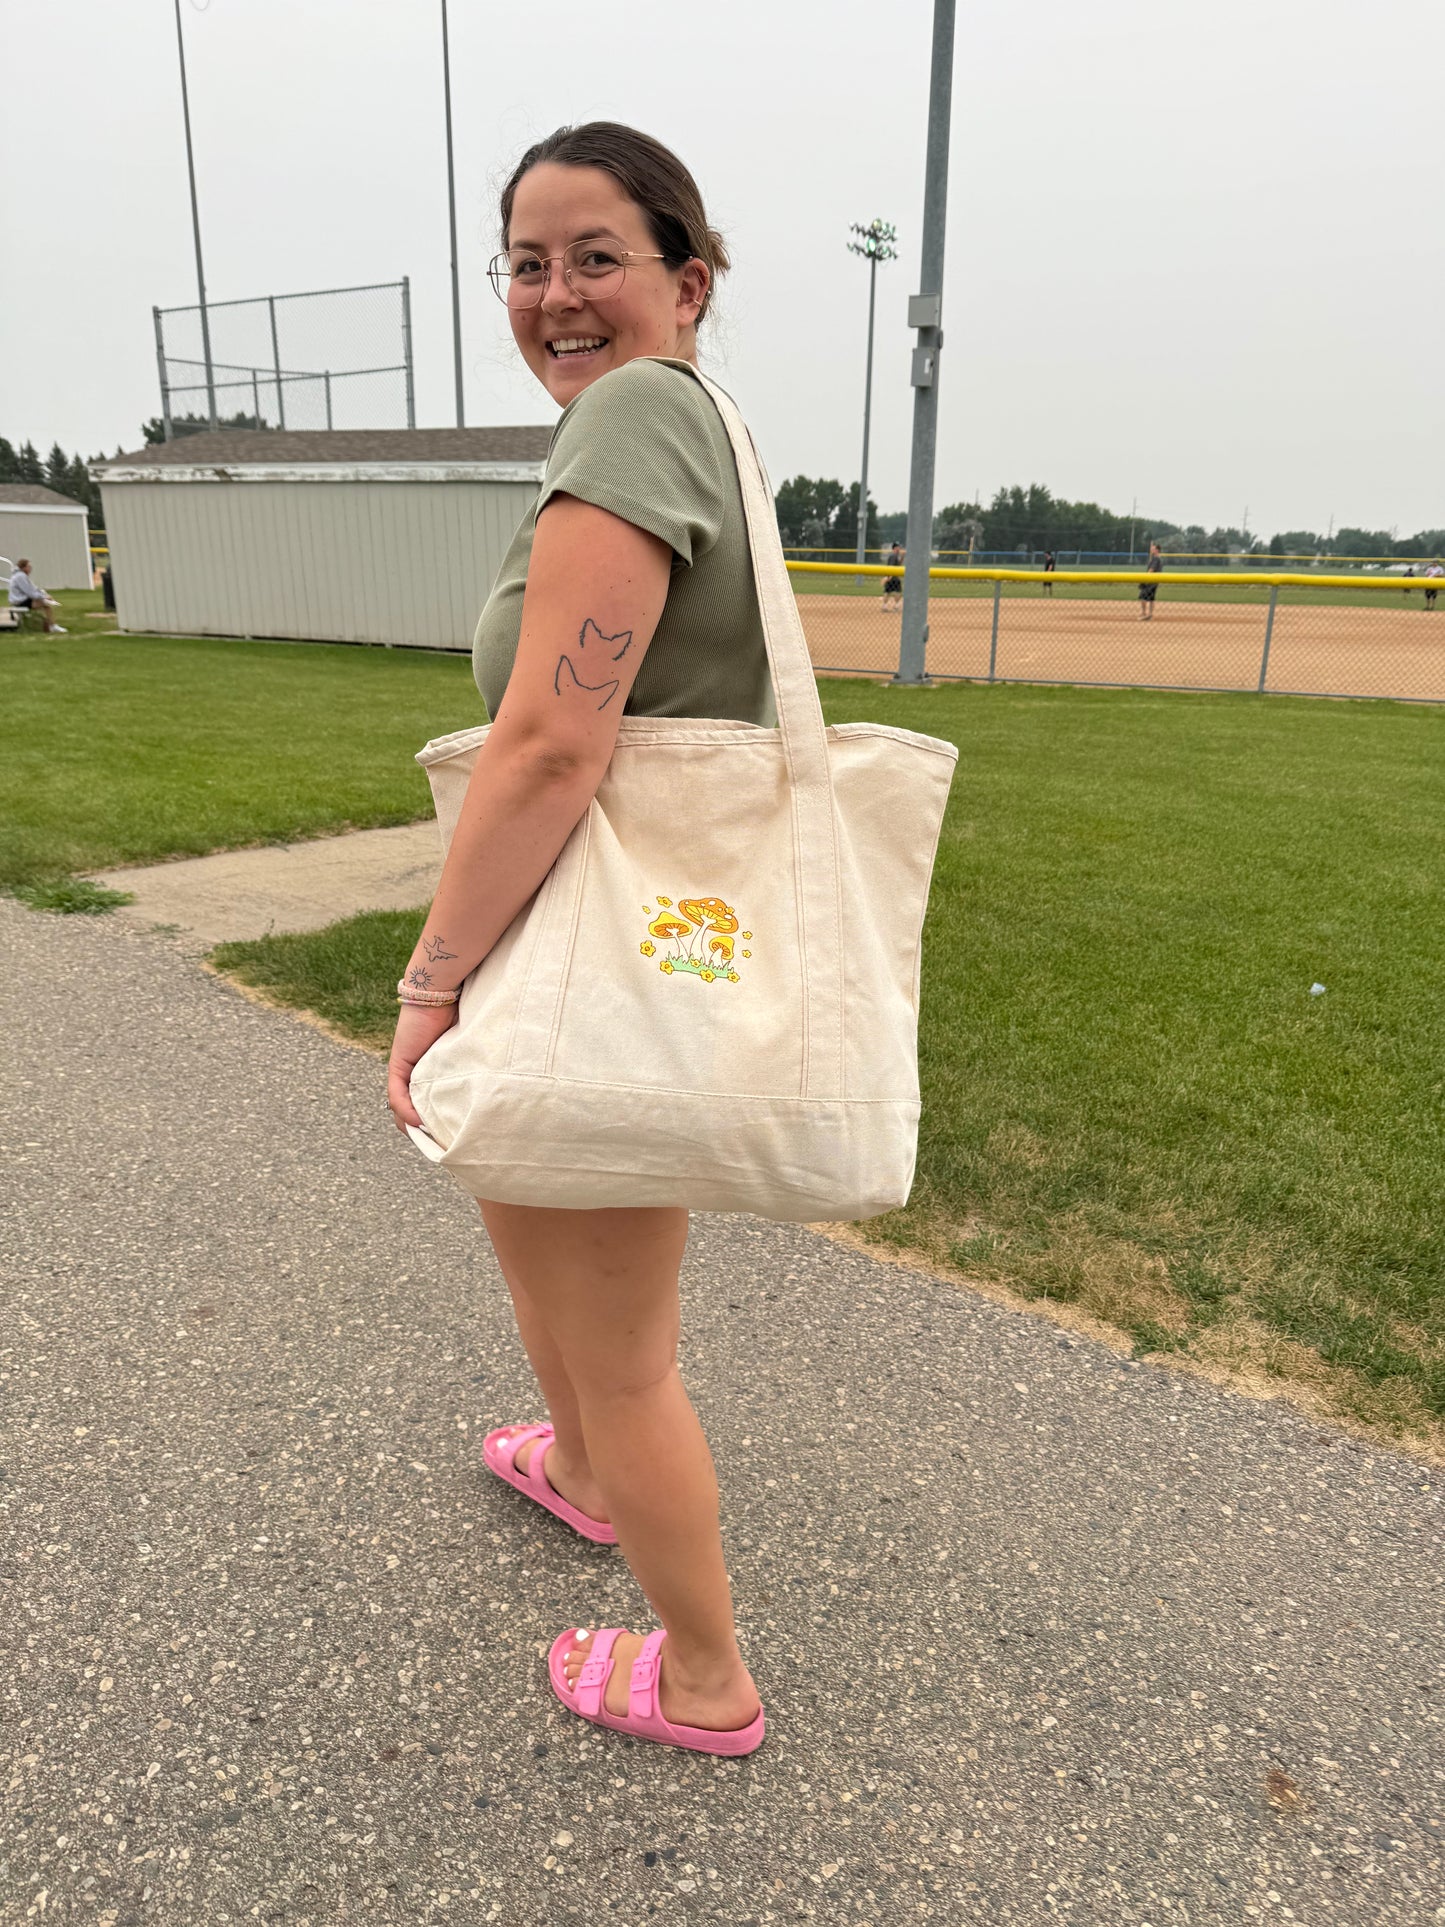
(650, 175)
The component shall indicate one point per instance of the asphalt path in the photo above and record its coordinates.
(1043, 1635)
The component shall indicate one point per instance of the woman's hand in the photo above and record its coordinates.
(418, 1026)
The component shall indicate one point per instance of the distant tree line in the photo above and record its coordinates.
(70, 474)
(66, 474)
(824, 514)
(155, 429)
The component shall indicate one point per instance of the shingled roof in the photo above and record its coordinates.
(32, 495)
(228, 447)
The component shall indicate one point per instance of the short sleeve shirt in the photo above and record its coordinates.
(646, 443)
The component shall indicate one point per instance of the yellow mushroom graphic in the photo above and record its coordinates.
(667, 924)
(699, 935)
(718, 923)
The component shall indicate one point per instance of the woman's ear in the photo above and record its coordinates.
(692, 287)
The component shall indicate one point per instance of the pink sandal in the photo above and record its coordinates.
(643, 1718)
(500, 1449)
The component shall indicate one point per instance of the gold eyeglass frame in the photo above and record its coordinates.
(502, 278)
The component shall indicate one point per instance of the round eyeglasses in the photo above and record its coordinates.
(593, 269)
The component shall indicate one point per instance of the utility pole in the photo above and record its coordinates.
(452, 213)
(1133, 513)
(925, 313)
(196, 224)
(875, 245)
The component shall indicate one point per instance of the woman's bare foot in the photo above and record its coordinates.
(719, 1704)
(577, 1487)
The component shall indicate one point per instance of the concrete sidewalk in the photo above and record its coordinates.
(1043, 1636)
(236, 894)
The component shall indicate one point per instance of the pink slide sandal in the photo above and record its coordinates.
(643, 1718)
(500, 1450)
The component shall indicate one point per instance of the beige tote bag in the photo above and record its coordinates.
(712, 1000)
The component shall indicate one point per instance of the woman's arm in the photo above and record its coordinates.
(596, 587)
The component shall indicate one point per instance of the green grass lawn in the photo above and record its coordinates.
(1133, 1104)
(1391, 598)
(126, 749)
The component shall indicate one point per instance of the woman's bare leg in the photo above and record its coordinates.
(603, 1286)
(567, 1468)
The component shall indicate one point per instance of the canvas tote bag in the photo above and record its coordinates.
(712, 999)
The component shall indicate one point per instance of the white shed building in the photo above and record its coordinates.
(49, 530)
(345, 535)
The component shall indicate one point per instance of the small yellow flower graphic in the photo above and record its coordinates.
(666, 966)
(649, 949)
(665, 902)
(748, 936)
(747, 953)
(732, 976)
(707, 975)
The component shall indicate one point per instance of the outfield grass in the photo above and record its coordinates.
(1133, 1104)
(1244, 590)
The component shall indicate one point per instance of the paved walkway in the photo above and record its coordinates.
(237, 894)
(1043, 1636)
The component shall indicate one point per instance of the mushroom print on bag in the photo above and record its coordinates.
(697, 937)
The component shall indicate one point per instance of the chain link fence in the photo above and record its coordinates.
(1340, 636)
(334, 358)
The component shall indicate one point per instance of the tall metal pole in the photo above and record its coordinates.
(406, 345)
(452, 211)
(925, 313)
(196, 222)
(875, 244)
(165, 380)
(867, 416)
(276, 363)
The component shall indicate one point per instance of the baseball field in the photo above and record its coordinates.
(1316, 647)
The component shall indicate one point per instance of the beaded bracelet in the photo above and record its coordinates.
(432, 999)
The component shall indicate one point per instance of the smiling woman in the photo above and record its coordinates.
(608, 270)
(628, 588)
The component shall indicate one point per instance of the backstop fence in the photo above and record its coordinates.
(332, 358)
(1336, 635)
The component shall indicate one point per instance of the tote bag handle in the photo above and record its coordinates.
(805, 751)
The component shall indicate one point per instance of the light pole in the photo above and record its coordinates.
(196, 226)
(452, 212)
(875, 244)
(925, 313)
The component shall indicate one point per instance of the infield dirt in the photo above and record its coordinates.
(1200, 645)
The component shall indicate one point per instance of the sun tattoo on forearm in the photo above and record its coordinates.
(566, 679)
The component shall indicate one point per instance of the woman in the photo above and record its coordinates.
(628, 587)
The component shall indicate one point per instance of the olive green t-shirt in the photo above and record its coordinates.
(646, 443)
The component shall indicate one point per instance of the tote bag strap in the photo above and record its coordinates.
(805, 751)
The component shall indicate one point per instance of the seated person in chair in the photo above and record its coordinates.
(28, 594)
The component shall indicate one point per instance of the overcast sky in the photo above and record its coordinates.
(1194, 254)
